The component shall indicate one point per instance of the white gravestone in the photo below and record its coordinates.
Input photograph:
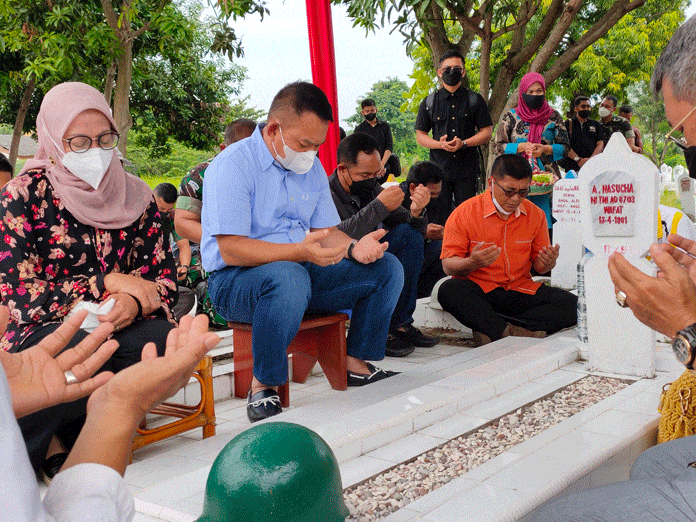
(685, 190)
(618, 208)
(566, 232)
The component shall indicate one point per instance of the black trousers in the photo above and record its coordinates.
(432, 270)
(550, 309)
(66, 420)
(460, 189)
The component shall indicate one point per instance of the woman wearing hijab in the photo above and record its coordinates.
(535, 130)
(79, 230)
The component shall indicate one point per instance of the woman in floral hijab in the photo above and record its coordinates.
(536, 130)
(78, 229)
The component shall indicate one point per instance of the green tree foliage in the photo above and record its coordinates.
(42, 44)
(178, 93)
(239, 109)
(504, 38)
(177, 89)
(625, 57)
(389, 97)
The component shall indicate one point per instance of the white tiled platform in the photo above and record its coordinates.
(442, 393)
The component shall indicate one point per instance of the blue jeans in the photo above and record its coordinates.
(406, 243)
(274, 298)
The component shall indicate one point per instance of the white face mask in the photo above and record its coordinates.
(604, 112)
(89, 166)
(499, 207)
(298, 162)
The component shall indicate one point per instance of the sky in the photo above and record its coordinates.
(276, 52)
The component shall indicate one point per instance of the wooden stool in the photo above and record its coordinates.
(320, 338)
(190, 417)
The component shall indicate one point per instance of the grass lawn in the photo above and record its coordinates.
(153, 181)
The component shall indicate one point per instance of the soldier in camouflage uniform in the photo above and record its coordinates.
(188, 220)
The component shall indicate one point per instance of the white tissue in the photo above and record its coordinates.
(94, 310)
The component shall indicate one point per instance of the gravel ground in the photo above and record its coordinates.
(449, 336)
(393, 489)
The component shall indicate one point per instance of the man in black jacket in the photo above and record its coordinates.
(363, 207)
(429, 175)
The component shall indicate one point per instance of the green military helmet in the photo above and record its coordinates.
(275, 472)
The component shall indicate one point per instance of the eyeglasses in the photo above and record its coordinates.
(448, 70)
(669, 136)
(511, 192)
(80, 144)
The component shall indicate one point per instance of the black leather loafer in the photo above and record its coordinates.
(376, 374)
(263, 404)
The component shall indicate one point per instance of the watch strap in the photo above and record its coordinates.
(689, 335)
(349, 253)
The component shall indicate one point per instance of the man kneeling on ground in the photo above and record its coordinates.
(490, 244)
(365, 207)
(273, 252)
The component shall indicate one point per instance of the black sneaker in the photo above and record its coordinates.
(263, 404)
(51, 466)
(398, 346)
(417, 337)
(376, 374)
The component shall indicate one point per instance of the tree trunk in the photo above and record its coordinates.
(109, 82)
(124, 77)
(19, 121)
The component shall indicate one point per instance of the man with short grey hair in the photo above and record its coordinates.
(663, 479)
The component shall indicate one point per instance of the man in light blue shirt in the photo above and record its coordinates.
(274, 253)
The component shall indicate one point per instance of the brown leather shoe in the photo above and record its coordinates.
(518, 331)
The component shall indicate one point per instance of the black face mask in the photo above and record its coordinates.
(533, 101)
(690, 156)
(453, 77)
(370, 116)
(585, 113)
(363, 188)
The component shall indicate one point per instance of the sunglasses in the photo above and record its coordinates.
(510, 192)
(448, 70)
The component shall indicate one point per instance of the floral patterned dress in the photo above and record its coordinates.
(49, 261)
(512, 130)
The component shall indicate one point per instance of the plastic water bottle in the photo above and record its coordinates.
(582, 303)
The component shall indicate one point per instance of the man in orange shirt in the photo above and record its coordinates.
(490, 244)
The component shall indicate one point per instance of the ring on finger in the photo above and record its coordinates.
(621, 298)
(70, 378)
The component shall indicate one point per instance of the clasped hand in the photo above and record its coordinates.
(419, 200)
(452, 145)
(666, 303)
(144, 291)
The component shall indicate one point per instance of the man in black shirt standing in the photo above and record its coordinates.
(585, 136)
(381, 132)
(460, 122)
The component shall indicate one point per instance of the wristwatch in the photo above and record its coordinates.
(576, 158)
(684, 346)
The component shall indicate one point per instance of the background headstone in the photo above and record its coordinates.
(685, 190)
(566, 232)
(618, 204)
